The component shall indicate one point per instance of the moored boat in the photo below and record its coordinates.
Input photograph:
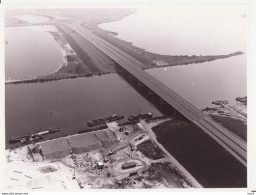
(100, 121)
(54, 130)
(32, 137)
(140, 116)
(19, 138)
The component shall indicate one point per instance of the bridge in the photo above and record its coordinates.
(227, 139)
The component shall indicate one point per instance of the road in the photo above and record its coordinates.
(148, 128)
(231, 142)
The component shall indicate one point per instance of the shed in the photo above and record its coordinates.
(100, 165)
(128, 165)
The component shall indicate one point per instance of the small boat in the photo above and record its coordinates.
(54, 130)
(140, 116)
(100, 121)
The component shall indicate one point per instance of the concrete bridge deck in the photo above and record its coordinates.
(231, 142)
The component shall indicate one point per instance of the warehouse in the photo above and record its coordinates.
(54, 149)
(104, 138)
(85, 142)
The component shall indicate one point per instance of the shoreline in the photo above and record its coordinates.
(155, 60)
(21, 155)
(84, 65)
(232, 116)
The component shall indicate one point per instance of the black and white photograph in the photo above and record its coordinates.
(126, 96)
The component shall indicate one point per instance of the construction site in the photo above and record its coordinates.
(127, 156)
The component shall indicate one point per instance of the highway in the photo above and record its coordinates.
(231, 142)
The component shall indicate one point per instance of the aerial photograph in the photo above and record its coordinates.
(137, 96)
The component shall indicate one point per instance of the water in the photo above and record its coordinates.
(200, 84)
(192, 30)
(31, 51)
(69, 104)
(179, 29)
(31, 18)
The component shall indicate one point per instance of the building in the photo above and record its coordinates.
(56, 148)
(77, 144)
(100, 165)
(82, 143)
(128, 165)
(103, 137)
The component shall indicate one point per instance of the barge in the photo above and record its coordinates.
(32, 137)
(100, 121)
(140, 116)
(19, 139)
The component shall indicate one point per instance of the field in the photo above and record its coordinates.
(207, 161)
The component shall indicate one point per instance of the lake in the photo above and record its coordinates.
(31, 51)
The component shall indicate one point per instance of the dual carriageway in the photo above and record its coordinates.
(227, 139)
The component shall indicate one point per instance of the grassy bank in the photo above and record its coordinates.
(202, 156)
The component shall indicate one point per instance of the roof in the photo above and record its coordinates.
(111, 135)
(128, 164)
(56, 148)
(58, 144)
(102, 135)
(84, 139)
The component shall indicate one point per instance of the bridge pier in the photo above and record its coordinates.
(162, 102)
(119, 69)
(175, 112)
(150, 92)
(139, 84)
